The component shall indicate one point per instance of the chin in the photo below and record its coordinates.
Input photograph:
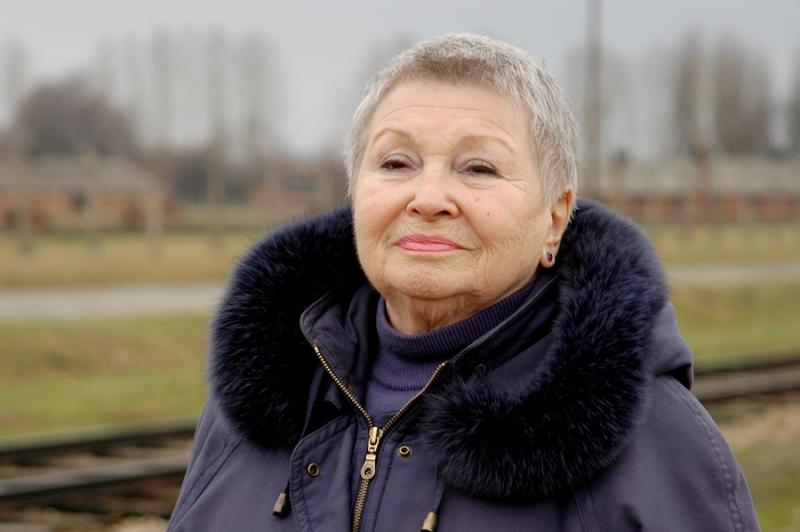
(427, 283)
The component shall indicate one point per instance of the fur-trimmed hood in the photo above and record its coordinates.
(572, 417)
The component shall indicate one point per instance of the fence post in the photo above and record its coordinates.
(154, 219)
(23, 206)
(91, 165)
(216, 193)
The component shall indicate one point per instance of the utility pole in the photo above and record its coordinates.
(593, 98)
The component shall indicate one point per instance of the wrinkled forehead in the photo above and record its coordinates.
(470, 95)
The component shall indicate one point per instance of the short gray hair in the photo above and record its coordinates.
(464, 57)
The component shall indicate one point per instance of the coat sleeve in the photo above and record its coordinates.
(677, 474)
(212, 445)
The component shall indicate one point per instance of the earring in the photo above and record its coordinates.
(549, 258)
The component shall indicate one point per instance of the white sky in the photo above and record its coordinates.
(322, 48)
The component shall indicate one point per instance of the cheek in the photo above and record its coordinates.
(377, 206)
(507, 224)
(513, 235)
(364, 209)
(369, 221)
(366, 250)
(372, 223)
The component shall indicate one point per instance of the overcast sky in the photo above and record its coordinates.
(322, 48)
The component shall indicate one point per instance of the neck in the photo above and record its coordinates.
(416, 316)
(410, 315)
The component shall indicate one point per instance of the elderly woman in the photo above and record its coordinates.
(464, 346)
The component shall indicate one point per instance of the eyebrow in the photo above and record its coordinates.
(388, 131)
(476, 139)
(467, 139)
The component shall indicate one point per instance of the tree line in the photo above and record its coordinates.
(204, 97)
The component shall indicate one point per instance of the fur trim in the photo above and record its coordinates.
(260, 371)
(576, 416)
(579, 411)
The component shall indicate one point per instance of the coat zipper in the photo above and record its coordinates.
(369, 468)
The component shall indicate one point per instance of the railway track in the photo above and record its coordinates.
(740, 381)
(143, 468)
(133, 471)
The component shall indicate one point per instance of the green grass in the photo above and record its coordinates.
(121, 258)
(726, 243)
(728, 323)
(53, 347)
(62, 374)
(112, 398)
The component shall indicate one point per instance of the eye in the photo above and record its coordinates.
(395, 162)
(481, 168)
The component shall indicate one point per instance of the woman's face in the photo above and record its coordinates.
(448, 202)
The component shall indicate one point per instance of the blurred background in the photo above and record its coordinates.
(144, 146)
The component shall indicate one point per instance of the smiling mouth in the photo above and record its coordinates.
(427, 244)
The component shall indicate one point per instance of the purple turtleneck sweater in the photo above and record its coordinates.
(404, 362)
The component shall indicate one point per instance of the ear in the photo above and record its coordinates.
(560, 214)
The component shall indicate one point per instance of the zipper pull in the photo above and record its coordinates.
(368, 469)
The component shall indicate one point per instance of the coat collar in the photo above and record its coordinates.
(576, 414)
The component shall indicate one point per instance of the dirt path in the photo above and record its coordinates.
(76, 302)
(735, 273)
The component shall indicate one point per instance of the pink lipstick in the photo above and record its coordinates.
(427, 243)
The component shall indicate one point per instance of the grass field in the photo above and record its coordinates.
(122, 258)
(126, 258)
(726, 243)
(726, 324)
(63, 374)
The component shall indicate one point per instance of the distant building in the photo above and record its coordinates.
(71, 193)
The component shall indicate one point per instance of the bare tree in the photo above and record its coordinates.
(759, 104)
(740, 98)
(217, 54)
(104, 70)
(14, 73)
(687, 94)
(794, 109)
(192, 109)
(612, 110)
(135, 98)
(254, 70)
(377, 56)
(63, 117)
(163, 84)
(216, 51)
(593, 98)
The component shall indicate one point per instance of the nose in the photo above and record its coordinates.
(433, 195)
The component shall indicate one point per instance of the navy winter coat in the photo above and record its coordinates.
(593, 428)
